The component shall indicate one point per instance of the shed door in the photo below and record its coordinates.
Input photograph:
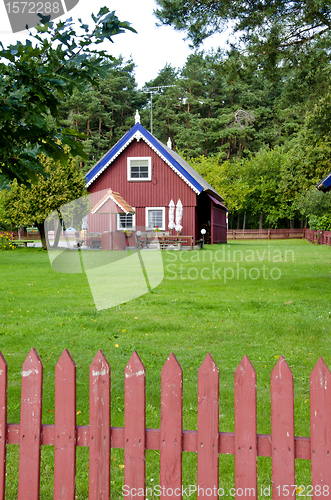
(219, 225)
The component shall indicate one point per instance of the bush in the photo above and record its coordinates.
(322, 223)
(6, 242)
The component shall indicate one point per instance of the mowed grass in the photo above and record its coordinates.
(260, 298)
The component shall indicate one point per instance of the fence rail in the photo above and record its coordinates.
(171, 440)
(318, 237)
(268, 234)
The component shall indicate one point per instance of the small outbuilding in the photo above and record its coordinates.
(149, 175)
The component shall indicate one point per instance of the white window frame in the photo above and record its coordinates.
(119, 228)
(163, 217)
(143, 179)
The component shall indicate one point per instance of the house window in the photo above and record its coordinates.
(155, 217)
(139, 169)
(126, 221)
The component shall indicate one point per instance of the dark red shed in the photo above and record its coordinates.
(149, 174)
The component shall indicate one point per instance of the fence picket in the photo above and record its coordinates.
(65, 428)
(282, 430)
(320, 428)
(99, 457)
(208, 428)
(134, 428)
(3, 424)
(170, 439)
(171, 428)
(30, 428)
(245, 429)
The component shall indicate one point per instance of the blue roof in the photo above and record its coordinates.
(324, 183)
(188, 173)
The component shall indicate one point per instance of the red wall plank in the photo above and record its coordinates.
(208, 431)
(30, 428)
(245, 439)
(135, 425)
(282, 429)
(99, 463)
(320, 428)
(171, 428)
(3, 423)
(65, 428)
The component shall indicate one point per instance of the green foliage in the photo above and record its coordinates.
(316, 206)
(26, 205)
(313, 203)
(225, 177)
(6, 242)
(34, 77)
(262, 172)
(271, 27)
(220, 103)
(322, 223)
(103, 112)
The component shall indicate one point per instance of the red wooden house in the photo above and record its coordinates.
(148, 174)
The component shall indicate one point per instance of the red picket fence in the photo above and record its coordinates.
(318, 237)
(171, 440)
(264, 234)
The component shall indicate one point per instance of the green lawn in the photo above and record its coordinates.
(198, 308)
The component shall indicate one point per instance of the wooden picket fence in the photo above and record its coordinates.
(265, 234)
(171, 440)
(318, 237)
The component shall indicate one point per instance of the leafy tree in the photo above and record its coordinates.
(220, 103)
(226, 177)
(273, 26)
(316, 207)
(25, 205)
(307, 162)
(262, 173)
(34, 77)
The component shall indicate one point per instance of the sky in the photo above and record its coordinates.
(151, 48)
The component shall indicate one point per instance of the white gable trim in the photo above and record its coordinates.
(138, 135)
(109, 197)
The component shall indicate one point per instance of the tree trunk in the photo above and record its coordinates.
(229, 152)
(245, 218)
(238, 221)
(57, 235)
(261, 221)
(43, 236)
(292, 223)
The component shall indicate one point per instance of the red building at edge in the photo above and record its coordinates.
(148, 174)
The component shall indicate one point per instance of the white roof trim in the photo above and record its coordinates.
(138, 135)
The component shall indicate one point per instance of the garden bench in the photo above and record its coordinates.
(20, 243)
(165, 241)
